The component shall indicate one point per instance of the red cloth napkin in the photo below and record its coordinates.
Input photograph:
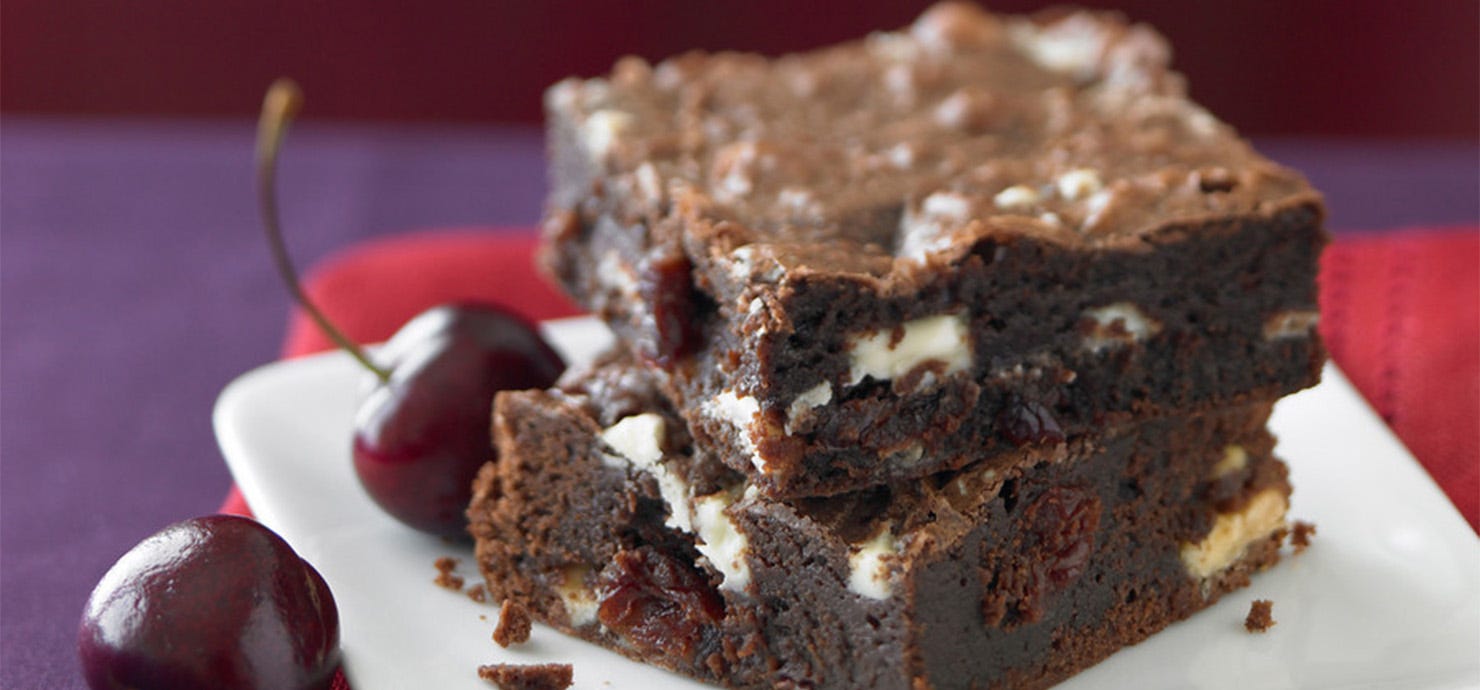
(1400, 313)
(1401, 316)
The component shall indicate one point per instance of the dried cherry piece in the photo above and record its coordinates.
(666, 285)
(1013, 592)
(657, 603)
(1062, 523)
(1026, 422)
(1065, 519)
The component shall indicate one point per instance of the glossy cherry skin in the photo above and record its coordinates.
(420, 438)
(212, 602)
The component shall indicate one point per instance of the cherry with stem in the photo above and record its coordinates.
(422, 433)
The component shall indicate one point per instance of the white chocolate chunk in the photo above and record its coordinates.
(1117, 324)
(1199, 121)
(797, 199)
(1232, 533)
(601, 130)
(722, 541)
(740, 412)
(580, 602)
(742, 262)
(948, 26)
(890, 46)
(966, 109)
(947, 205)
(639, 438)
(613, 274)
(736, 169)
(744, 265)
(900, 81)
(1016, 198)
(1078, 184)
(902, 156)
(648, 182)
(944, 338)
(1071, 48)
(1294, 323)
(930, 229)
(869, 573)
(1234, 459)
(1095, 207)
(812, 398)
(735, 184)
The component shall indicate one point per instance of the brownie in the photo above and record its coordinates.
(513, 624)
(598, 518)
(1300, 534)
(528, 676)
(447, 577)
(1261, 616)
(884, 259)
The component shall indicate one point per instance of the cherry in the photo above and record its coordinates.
(421, 436)
(212, 602)
(1026, 422)
(667, 284)
(657, 603)
(1066, 519)
(422, 432)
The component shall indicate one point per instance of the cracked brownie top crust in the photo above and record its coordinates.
(885, 153)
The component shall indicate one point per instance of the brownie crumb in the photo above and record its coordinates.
(513, 624)
(527, 676)
(1260, 618)
(1300, 537)
(478, 593)
(445, 577)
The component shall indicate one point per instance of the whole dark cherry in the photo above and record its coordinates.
(421, 435)
(212, 602)
(422, 432)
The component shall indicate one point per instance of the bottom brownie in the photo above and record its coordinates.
(599, 519)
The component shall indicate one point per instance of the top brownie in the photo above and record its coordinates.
(899, 254)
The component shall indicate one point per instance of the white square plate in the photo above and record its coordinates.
(1388, 596)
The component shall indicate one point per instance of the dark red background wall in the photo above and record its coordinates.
(1333, 67)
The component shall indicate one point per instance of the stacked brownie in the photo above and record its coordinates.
(945, 359)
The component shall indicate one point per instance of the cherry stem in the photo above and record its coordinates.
(278, 108)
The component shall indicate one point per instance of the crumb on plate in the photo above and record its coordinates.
(527, 676)
(1301, 534)
(445, 577)
(513, 624)
(1260, 618)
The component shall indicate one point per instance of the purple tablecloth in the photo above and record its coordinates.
(134, 284)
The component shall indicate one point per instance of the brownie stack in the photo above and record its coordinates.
(945, 359)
